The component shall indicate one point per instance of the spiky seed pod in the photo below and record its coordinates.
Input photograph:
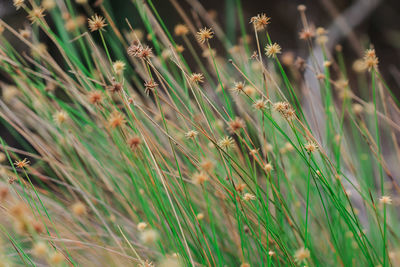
(226, 142)
(205, 34)
(260, 21)
(96, 23)
(196, 78)
(36, 14)
(272, 49)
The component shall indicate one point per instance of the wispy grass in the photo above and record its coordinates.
(173, 147)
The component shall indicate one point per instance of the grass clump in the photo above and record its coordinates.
(174, 147)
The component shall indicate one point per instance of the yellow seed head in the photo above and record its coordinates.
(78, 209)
(205, 34)
(181, 30)
(272, 49)
(40, 249)
(141, 226)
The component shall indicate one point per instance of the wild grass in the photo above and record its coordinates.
(144, 145)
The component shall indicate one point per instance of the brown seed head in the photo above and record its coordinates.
(191, 134)
(96, 23)
(238, 87)
(204, 35)
(21, 163)
(95, 97)
(134, 142)
(236, 124)
(18, 3)
(115, 86)
(370, 59)
(181, 30)
(260, 104)
(116, 120)
(260, 21)
(310, 147)
(149, 86)
(78, 209)
(196, 78)
(302, 254)
(200, 178)
(36, 14)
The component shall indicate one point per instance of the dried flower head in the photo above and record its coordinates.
(200, 178)
(307, 33)
(207, 165)
(285, 109)
(272, 49)
(370, 59)
(204, 35)
(25, 33)
(358, 109)
(240, 187)
(260, 104)
(196, 78)
(18, 3)
(238, 87)
(248, 197)
(191, 134)
(260, 21)
(236, 124)
(149, 236)
(40, 249)
(310, 147)
(36, 14)
(200, 216)
(78, 209)
(226, 142)
(115, 86)
(249, 90)
(268, 167)
(95, 97)
(134, 142)
(134, 49)
(149, 86)
(22, 163)
(145, 52)
(116, 120)
(287, 58)
(119, 67)
(387, 200)
(181, 29)
(302, 254)
(48, 4)
(60, 117)
(56, 258)
(96, 23)
(179, 48)
(141, 226)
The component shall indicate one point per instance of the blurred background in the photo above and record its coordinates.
(377, 22)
